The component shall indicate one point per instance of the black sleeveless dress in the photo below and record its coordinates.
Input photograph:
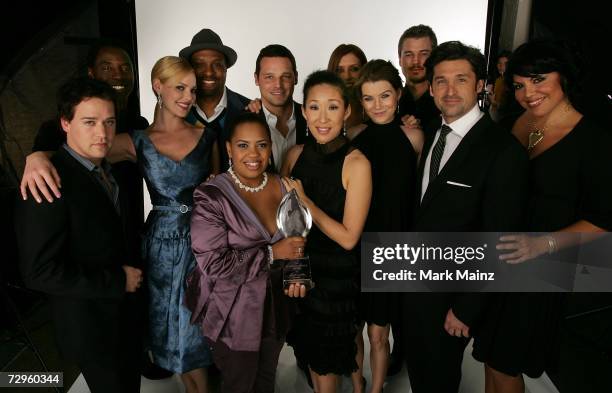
(327, 323)
(393, 161)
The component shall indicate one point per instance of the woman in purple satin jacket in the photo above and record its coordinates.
(236, 291)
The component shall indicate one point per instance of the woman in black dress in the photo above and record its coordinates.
(335, 183)
(392, 153)
(571, 192)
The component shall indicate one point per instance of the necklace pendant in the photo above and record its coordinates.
(535, 137)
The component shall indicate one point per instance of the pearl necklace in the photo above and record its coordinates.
(244, 186)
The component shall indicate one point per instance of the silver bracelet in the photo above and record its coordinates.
(270, 255)
(552, 244)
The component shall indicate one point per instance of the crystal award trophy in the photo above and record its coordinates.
(294, 219)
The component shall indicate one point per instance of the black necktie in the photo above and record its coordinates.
(111, 188)
(436, 153)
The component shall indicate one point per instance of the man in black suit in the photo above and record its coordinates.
(472, 178)
(216, 105)
(413, 48)
(109, 62)
(74, 249)
(276, 76)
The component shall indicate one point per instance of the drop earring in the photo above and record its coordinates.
(344, 128)
(229, 160)
(159, 100)
(398, 108)
(306, 129)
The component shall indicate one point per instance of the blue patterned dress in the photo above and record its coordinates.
(177, 345)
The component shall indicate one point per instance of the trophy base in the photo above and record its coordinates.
(297, 271)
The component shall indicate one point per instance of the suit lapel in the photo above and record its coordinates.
(88, 177)
(272, 165)
(455, 162)
(236, 104)
(233, 106)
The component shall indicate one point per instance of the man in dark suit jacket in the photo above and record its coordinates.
(74, 249)
(216, 105)
(276, 76)
(472, 178)
(109, 62)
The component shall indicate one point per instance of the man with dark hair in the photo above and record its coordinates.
(109, 62)
(216, 105)
(414, 47)
(276, 77)
(472, 178)
(74, 249)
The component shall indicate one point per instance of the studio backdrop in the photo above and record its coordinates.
(310, 29)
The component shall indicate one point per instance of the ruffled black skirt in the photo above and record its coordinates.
(327, 323)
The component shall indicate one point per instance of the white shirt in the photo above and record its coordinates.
(280, 143)
(218, 109)
(460, 129)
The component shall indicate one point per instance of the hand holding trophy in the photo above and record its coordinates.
(294, 219)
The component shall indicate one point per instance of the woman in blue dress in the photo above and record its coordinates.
(174, 158)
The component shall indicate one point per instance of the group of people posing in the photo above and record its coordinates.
(364, 152)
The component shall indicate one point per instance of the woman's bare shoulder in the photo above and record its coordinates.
(357, 158)
(357, 162)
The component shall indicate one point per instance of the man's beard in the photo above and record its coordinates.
(417, 80)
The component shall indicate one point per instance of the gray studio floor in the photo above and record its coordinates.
(289, 379)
